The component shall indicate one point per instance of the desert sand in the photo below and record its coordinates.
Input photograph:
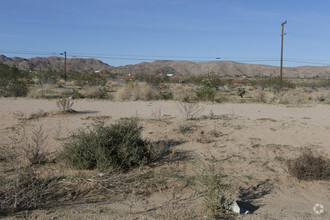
(248, 142)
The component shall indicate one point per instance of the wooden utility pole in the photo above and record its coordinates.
(64, 76)
(281, 71)
(65, 66)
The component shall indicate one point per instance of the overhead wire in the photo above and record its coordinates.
(154, 57)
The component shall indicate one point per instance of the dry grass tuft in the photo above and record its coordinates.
(292, 96)
(136, 91)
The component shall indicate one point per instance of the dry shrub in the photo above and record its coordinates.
(64, 104)
(136, 91)
(292, 96)
(265, 97)
(320, 96)
(98, 92)
(29, 148)
(186, 127)
(309, 166)
(21, 185)
(271, 97)
(37, 94)
(25, 191)
(184, 92)
(260, 96)
(190, 110)
(217, 197)
(158, 115)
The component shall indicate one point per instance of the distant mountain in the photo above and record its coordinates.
(55, 63)
(223, 68)
(165, 67)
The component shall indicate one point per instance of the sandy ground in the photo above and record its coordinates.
(250, 142)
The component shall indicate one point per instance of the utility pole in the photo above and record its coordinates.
(65, 76)
(65, 66)
(281, 71)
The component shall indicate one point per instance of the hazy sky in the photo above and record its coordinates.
(121, 32)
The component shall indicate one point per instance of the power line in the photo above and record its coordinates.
(307, 62)
(174, 58)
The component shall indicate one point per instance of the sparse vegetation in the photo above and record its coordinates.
(309, 166)
(241, 92)
(274, 83)
(190, 110)
(22, 186)
(30, 148)
(165, 164)
(205, 94)
(158, 115)
(217, 199)
(14, 82)
(26, 191)
(136, 91)
(64, 104)
(186, 128)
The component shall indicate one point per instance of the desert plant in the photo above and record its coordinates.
(157, 115)
(217, 200)
(260, 96)
(77, 94)
(166, 95)
(186, 127)
(13, 81)
(25, 191)
(136, 91)
(118, 146)
(21, 186)
(205, 94)
(241, 92)
(64, 104)
(309, 166)
(29, 148)
(275, 83)
(212, 80)
(190, 110)
(33, 150)
(86, 78)
(292, 96)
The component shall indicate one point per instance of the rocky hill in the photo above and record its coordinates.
(165, 67)
(55, 63)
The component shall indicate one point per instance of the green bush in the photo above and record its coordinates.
(212, 80)
(13, 81)
(205, 94)
(118, 146)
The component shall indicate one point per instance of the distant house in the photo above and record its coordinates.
(170, 74)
